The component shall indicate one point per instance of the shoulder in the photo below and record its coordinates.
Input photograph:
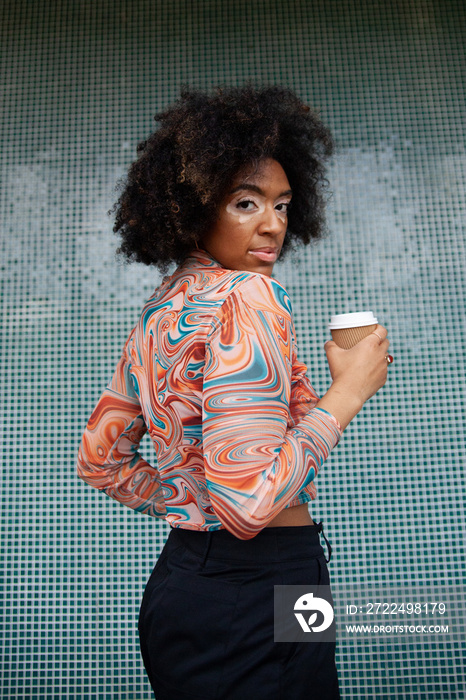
(255, 305)
(203, 299)
(203, 283)
(264, 294)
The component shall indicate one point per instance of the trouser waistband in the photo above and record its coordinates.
(270, 544)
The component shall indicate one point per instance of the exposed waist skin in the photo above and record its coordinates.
(292, 517)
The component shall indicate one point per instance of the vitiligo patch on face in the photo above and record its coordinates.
(244, 216)
(281, 214)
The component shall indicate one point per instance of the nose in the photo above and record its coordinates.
(272, 222)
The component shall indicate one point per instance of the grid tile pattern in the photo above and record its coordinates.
(80, 84)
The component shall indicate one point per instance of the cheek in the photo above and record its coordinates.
(243, 217)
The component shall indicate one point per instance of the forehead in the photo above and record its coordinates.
(267, 172)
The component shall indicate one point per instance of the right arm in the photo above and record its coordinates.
(256, 458)
(357, 374)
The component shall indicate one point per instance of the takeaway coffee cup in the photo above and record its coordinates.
(349, 329)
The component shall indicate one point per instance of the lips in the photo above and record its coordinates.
(265, 254)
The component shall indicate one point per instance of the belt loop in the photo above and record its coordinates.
(320, 529)
(207, 547)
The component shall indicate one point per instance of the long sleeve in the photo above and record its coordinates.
(256, 457)
(108, 457)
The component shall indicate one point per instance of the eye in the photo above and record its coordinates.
(282, 207)
(246, 205)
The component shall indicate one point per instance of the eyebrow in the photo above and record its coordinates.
(255, 188)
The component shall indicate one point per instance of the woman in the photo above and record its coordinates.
(225, 186)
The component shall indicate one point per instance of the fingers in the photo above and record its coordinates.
(380, 332)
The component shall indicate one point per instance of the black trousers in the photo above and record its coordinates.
(206, 624)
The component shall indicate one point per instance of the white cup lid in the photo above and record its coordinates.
(360, 318)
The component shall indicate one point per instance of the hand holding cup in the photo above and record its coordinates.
(359, 368)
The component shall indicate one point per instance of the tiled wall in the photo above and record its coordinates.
(80, 83)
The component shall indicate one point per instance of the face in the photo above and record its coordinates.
(252, 220)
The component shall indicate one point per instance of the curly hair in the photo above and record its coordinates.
(172, 193)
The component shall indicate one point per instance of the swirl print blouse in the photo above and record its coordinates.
(211, 372)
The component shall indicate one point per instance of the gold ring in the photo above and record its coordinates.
(378, 336)
(389, 359)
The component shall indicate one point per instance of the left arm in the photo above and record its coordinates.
(108, 456)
